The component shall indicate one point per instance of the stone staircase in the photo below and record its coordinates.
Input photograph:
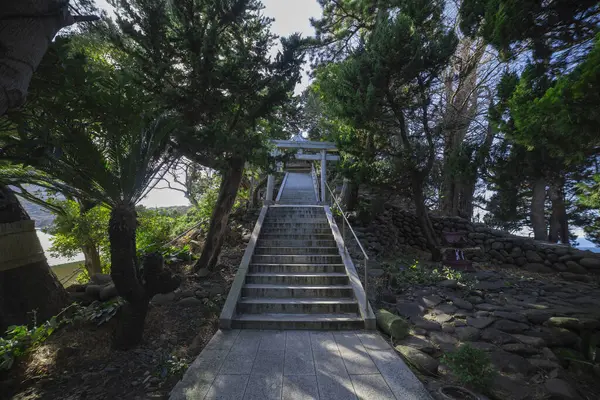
(296, 278)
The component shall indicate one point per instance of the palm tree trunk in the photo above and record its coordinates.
(220, 217)
(124, 272)
(31, 289)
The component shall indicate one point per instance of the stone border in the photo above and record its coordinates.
(20, 245)
(364, 307)
(228, 311)
(281, 187)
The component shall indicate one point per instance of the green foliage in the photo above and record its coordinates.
(76, 227)
(589, 199)
(546, 27)
(98, 312)
(473, 367)
(418, 274)
(172, 366)
(19, 340)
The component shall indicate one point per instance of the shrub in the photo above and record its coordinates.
(471, 366)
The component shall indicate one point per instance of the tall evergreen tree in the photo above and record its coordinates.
(210, 62)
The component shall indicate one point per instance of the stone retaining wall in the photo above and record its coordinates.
(396, 227)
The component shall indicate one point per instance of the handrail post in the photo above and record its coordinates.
(344, 231)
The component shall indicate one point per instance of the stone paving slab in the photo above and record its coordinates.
(298, 365)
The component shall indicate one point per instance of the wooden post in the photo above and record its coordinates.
(323, 174)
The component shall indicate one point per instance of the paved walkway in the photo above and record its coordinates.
(298, 365)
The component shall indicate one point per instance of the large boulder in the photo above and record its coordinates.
(101, 279)
(559, 389)
(93, 291)
(590, 263)
(108, 292)
(533, 256)
(575, 268)
(537, 267)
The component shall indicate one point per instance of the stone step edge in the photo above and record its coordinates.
(312, 300)
(299, 274)
(295, 287)
(298, 317)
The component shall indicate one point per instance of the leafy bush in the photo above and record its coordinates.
(417, 274)
(172, 366)
(98, 312)
(471, 366)
(19, 340)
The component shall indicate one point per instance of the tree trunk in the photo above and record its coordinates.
(220, 217)
(432, 242)
(32, 289)
(135, 285)
(538, 218)
(559, 222)
(92, 259)
(349, 195)
(124, 273)
(23, 43)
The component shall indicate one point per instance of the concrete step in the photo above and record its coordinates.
(300, 219)
(296, 291)
(296, 236)
(295, 225)
(298, 321)
(296, 250)
(297, 278)
(295, 243)
(297, 306)
(296, 259)
(293, 230)
(293, 268)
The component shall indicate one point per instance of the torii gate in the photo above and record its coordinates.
(317, 151)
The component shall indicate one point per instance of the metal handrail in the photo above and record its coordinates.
(346, 222)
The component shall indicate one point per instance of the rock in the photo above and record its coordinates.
(546, 365)
(577, 324)
(520, 348)
(216, 290)
(76, 288)
(101, 279)
(509, 326)
(444, 341)
(566, 355)
(93, 291)
(575, 268)
(510, 387)
(162, 299)
(480, 323)
(530, 341)
(440, 318)
(497, 337)
(559, 267)
(459, 322)
(418, 359)
(570, 276)
(418, 342)
(590, 263)
(484, 346)
(559, 389)
(389, 297)
(427, 325)
(467, 334)
(449, 284)
(448, 327)
(201, 294)
(538, 317)
(533, 257)
(445, 309)
(488, 307)
(490, 285)
(537, 267)
(460, 303)
(430, 301)
(203, 273)
(508, 362)
(510, 315)
(497, 245)
(190, 302)
(556, 337)
(410, 309)
(108, 292)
